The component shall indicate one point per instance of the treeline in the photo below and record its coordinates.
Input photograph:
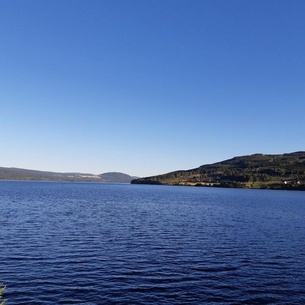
(286, 171)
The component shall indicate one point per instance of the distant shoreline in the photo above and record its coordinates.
(18, 174)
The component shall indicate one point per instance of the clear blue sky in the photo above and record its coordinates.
(148, 87)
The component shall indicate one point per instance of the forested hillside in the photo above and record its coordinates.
(285, 171)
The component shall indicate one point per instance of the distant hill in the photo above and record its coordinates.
(285, 171)
(116, 177)
(26, 174)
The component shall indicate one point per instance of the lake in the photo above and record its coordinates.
(82, 243)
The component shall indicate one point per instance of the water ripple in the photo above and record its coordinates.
(64, 243)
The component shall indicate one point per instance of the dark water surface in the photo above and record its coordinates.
(72, 243)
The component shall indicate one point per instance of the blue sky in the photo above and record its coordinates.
(148, 87)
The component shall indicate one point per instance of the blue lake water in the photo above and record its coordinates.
(73, 243)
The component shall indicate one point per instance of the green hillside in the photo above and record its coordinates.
(286, 171)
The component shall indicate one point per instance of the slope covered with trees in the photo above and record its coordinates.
(285, 171)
